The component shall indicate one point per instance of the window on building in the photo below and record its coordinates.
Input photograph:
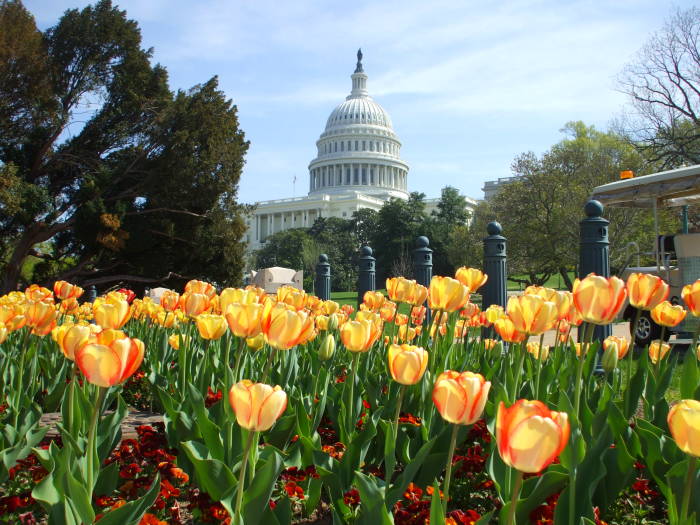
(356, 176)
(364, 176)
(364, 145)
(342, 146)
(356, 145)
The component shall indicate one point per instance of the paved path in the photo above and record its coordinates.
(619, 329)
(132, 420)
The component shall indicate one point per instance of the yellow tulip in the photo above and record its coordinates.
(70, 338)
(244, 319)
(472, 278)
(447, 294)
(534, 348)
(170, 300)
(64, 290)
(407, 363)
(327, 348)
(460, 397)
(329, 307)
(110, 364)
(359, 336)
(531, 314)
(200, 287)
(257, 406)
(507, 331)
(211, 326)
(562, 299)
(193, 303)
(645, 291)
(112, 311)
(373, 300)
(599, 299)
(174, 340)
(38, 293)
(41, 316)
(292, 296)
(667, 314)
(684, 424)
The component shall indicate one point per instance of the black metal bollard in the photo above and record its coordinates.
(366, 276)
(423, 266)
(90, 294)
(322, 285)
(495, 289)
(594, 256)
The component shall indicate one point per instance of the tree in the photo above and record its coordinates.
(144, 190)
(400, 222)
(464, 246)
(365, 222)
(540, 211)
(451, 213)
(663, 84)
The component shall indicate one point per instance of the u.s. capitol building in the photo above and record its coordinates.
(358, 165)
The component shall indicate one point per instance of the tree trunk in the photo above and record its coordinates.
(567, 280)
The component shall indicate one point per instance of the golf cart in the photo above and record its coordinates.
(677, 257)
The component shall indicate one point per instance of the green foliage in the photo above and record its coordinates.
(148, 182)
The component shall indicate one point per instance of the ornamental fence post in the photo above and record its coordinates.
(495, 288)
(366, 276)
(423, 266)
(322, 284)
(594, 256)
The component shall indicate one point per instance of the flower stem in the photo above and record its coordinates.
(539, 366)
(448, 467)
(351, 400)
(630, 353)
(687, 488)
(268, 365)
(91, 446)
(519, 369)
(241, 476)
(71, 398)
(514, 497)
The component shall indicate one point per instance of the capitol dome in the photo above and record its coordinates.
(358, 150)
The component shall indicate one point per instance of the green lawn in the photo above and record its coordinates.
(554, 281)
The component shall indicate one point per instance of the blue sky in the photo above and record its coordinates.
(469, 85)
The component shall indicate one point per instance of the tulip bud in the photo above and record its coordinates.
(610, 357)
(255, 343)
(333, 322)
(325, 351)
(658, 350)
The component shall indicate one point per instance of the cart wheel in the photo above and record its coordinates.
(647, 330)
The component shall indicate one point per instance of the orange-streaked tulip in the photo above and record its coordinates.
(505, 328)
(667, 314)
(460, 397)
(64, 290)
(70, 338)
(493, 313)
(112, 311)
(257, 406)
(3, 333)
(563, 300)
(621, 345)
(170, 300)
(285, 328)
(230, 296)
(531, 314)
(373, 299)
(255, 343)
(529, 435)
(470, 310)
(418, 314)
(194, 304)
(407, 333)
(684, 423)
(12, 316)
(645, 291)
(419, 294)
(195, 286)
(658, 351)
(472, 278)
(292, 296)
(359, 336)
(573, 318)
(401, 319)
(399, 289)
(245, 319)
(69, 306)
(110, 364)
(41, 316)
(447, 294)
(211, 326)
(691, 297)
(387, 311)
(38, 293)
(490, 344)
(599, 299)
(533, 348)
(407, 363)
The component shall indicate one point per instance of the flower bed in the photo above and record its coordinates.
(392, 414)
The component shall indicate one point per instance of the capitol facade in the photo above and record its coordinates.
(358, 165)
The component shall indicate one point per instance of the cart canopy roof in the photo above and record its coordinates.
(668, 188)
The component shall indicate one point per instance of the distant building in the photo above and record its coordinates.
(492, 187)
(358, 165)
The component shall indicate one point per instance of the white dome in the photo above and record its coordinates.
(358, 151)
(358, 110)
